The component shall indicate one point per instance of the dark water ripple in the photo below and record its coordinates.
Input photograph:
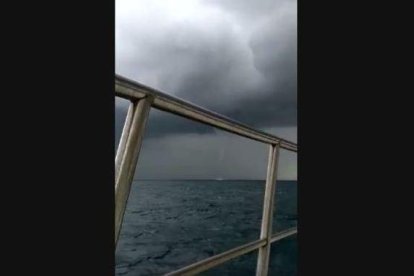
(170, 224)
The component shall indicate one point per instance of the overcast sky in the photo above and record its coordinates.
(235, 57)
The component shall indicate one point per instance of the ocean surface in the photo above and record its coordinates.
(171, 224)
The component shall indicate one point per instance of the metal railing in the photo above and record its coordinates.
(142, 98)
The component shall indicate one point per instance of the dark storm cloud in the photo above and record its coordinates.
(241, 62)
(237, 58)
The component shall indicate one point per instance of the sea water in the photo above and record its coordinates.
(171, 224)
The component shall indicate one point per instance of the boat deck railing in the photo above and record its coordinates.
(142, 99)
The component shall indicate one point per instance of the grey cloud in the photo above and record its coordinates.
(237, 58)
(251, 78)
(200, 156)
(246, 9)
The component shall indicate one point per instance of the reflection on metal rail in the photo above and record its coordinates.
(142, 98)
(133, 91)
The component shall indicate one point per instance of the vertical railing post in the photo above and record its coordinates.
(267, 217)
(129, 160)
(124, 137)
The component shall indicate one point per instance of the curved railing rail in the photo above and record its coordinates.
(142, 98)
